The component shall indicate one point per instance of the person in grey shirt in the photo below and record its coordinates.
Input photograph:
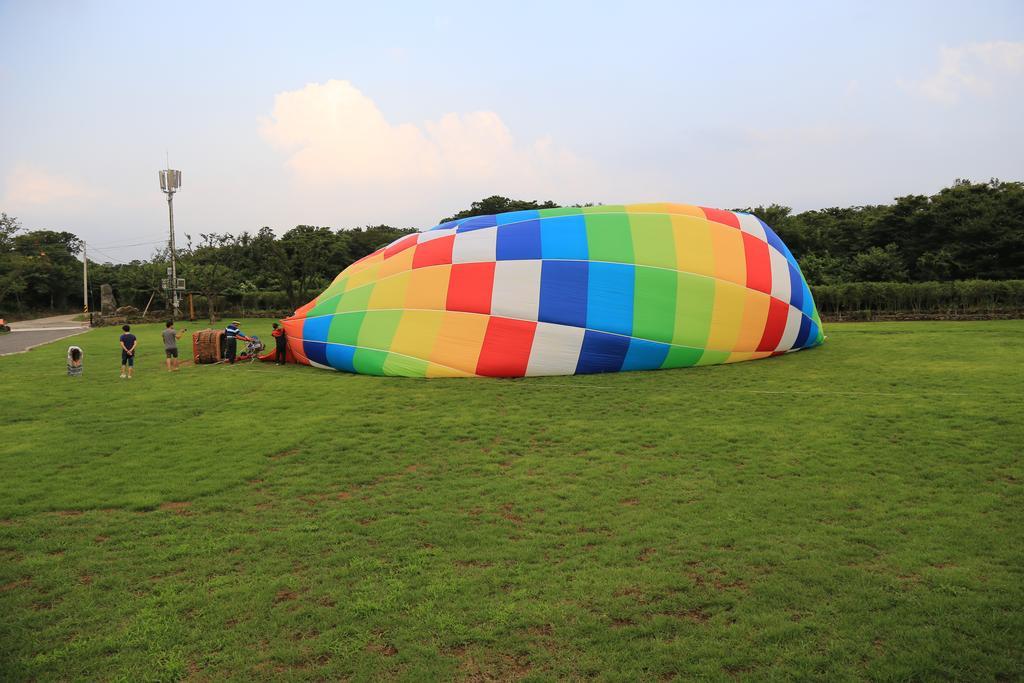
(171, 337)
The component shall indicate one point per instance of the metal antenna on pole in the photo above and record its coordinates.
(170, 181)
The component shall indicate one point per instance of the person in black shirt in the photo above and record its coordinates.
(281, 344)
(128, 344)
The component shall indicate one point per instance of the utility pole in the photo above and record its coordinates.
(170, 181)
(85, 279)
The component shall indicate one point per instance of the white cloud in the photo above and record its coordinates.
(335, 134)
(976, 68)
(28, 185)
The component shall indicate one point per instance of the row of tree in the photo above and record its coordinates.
(42, 269)
(38, 269)
(966, 231)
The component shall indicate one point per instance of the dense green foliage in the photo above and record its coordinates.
(39, 268)
(852, 512)
(965, 232)
(498, 204)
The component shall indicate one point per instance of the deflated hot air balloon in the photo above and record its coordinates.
(561, 292)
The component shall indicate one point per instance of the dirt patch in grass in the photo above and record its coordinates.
(736, 584)
(166, 575)
(715, 578)
(481, 667)
(16, 584)
(197, 674)
(646, 554)
(288, 452)
(696, 615)
(736, 671)
(629, 502)
(631, 592)
(306, 634)
(285, 596)
(69, 513)
(384, 649)
(177, 507)
(506, 513)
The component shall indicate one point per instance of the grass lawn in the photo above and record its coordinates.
(850, 512)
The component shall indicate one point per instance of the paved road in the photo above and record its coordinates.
(29, 333)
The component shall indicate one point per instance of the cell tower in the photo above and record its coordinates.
(170, 181)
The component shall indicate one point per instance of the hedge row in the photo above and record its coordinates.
(957, 297)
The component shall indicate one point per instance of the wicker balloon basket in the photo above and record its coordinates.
(207, 346)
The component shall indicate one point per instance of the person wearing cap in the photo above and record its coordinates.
(232, 334)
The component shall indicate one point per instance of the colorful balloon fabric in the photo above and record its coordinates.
(561, 292)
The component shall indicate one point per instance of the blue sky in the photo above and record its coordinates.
(346, 114)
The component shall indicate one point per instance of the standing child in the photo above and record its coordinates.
(74, 361)
(281, 344)
(128, 344)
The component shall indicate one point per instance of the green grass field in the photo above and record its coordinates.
(850, 512)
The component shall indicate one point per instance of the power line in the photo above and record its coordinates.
(58, 246)
(134, 244)
(108, 256)
(52, 245)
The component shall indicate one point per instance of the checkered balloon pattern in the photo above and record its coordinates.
(561, 292)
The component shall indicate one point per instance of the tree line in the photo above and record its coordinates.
(968, 231)
(42, 269)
